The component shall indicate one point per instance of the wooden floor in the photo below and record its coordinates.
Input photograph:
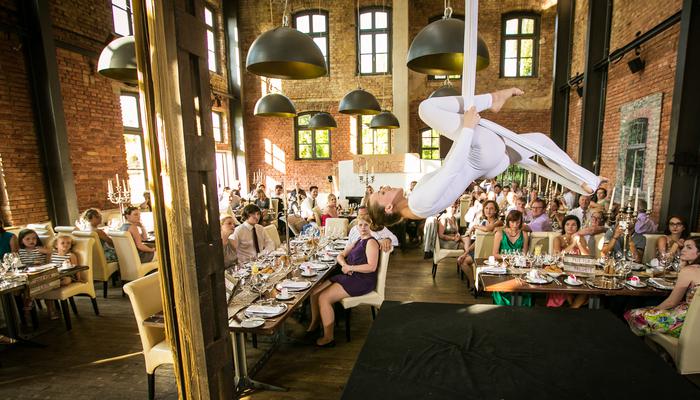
(100, 358)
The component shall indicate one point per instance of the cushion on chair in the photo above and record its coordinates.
(650, 246)
(158, 355)
(271, 232)
(372, 298)
(668, 342)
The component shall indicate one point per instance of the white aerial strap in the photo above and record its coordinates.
(471, 19)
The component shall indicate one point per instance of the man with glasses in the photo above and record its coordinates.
(596, 227)
(540, 221)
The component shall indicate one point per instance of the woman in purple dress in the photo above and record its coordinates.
(359, 265)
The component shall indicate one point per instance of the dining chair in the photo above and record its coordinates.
(130, 266)
(541, 240)
(440, 254)
(274, 210)
(144, 295)
(82, 248)
(650, 246)
(64, 229)
(102, 270)
(271, 231)
(685, 350)
(374, 299)
(599, 241)
(336, 227)
(483, 248)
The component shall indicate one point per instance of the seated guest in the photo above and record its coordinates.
(601, 199)
(146, 205)
(8, 241)
(31, 250)
(556, 218)
(488, 222)
(539, 220)
(448, 232)
(134, 226)
(668, 317)
(497, 191)
(369, 190)
(514, 187)
(519, 205)
(359, 266)
(234, 200)
(331, 209)
(644, 222)
(675, 234)
(569, 198)
(502, 198)
(570, 242)
(227, 228)
(249, 238)
(263, 202)
(474, 212)
(597, 226)
(583, 211)
(386, 238)
(92, 219)
(295, 205)
(614, 244)
(308, 205)
(509, 239)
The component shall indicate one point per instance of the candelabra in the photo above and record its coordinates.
(366, 178)
(121, 195)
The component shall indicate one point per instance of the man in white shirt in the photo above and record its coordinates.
(387, 240)
(249, 238)
(583, 212)
(307, 207)
(569, 197)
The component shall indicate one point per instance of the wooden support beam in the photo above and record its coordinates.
(562, 69)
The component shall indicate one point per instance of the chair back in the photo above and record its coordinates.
(64, 229)
(127, 254)
(15, 230)
(483, 247)
(650, 246)
(274, 206)
(101, 271)
(271, 232)
(540, 240)
(688, 361)
(144, 294)
(599, 241)
(83, 250)
(111, 217)
(336, 227)
(381, 273)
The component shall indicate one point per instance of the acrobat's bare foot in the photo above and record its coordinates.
(602, 180)
(587, 189)
(499, 98)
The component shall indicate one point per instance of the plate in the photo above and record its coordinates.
(252, 322)
(637, 267)
(279, 297)
(570, 283)
(261, 316)
(659, 283)
(313, 273)
(296, 289)
(554, 274)
(543, 280)
(639, 284)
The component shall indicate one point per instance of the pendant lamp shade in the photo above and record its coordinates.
(444, 91)
(322, 120)
(118, 60)
(359, 102)
(438, 49)
(275, 105)
(285, 53)
(384, 120)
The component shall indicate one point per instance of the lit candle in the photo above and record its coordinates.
(612, 200)
(636, 200)
(109, 186)
(549, 183)
(124, 184)
(634, 169)
(622, 199)
(648, 197)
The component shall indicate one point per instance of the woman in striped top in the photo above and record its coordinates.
(31, 250)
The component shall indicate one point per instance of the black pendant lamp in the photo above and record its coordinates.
(438, 49)
(118, 60)
(384, 120)
(322, 120)
(285, 53)
(275, 105)
(359, 102)
(444, 91)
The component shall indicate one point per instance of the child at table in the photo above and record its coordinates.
(31, 250)
(62, 253)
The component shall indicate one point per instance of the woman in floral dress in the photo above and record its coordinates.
(668, 317)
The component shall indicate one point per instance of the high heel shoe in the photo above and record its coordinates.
(329, 344)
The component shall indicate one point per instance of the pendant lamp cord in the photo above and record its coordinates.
(285, 16)
(272, 20)
(448, 10)
(357, 77)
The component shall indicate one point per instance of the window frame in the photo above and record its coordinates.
(312, 34)
(636, 148)
(135, 131)
(298, 127)
(222, 124)
(374, 31)
(433, 135)
(213, 28)
(535, 36)
(360, 136)
(129, 17)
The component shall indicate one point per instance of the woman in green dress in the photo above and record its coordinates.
(509, 239)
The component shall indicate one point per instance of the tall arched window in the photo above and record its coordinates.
(520, 37)
(311, 144)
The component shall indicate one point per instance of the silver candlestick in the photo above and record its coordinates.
(119, 194)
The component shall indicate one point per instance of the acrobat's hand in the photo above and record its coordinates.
(471, 118)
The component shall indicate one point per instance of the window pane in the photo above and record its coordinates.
(528, 26)
(367, 148)
(305, 137)
(134, 151)
(512, 26)
(382, 43)
(440, 77)
(130, 111)
(436, 142)
(366, 20)
(511, 48)
(321, 43)
(526, 67)
(382, 135)
(323, 151)
(119, 3)
(208, 17)
(366, 63)
(319, 23)
(322, 136)
(303, 120)
(435, 155)
(210, 41)
(366, 119)
(425, 154)
(365, 44)
(137, 184)
(382, 63)
(525, 48)
(121, 22)
(211, 60)
(510, 67)
(305, 151)
(380, 19)
(426, 142)
(381, 148)
(216, 126)
(302, 23)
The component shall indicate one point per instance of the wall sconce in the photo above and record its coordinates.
(636, 64)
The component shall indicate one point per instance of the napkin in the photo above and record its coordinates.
(294, 284)
(654, 262)
(313, 265)
(493, 270)
(260, 309)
